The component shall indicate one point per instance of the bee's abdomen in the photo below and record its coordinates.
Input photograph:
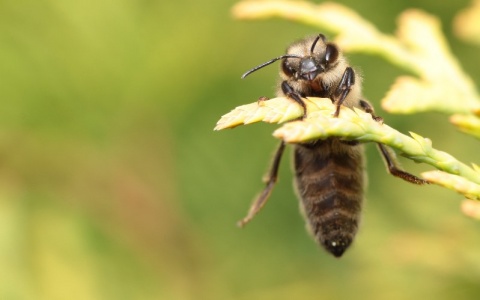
(329, 181)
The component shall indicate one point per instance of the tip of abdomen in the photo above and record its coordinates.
(337, 246)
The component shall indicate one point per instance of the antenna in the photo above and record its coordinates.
(320, 36)
(269, 62)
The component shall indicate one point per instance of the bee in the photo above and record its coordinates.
(329, 173)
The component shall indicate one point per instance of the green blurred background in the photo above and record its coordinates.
(113, 184)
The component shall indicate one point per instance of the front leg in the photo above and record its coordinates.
(368, 108)
(291, 93)
(343, 88)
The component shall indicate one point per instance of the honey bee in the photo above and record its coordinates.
(329, 173)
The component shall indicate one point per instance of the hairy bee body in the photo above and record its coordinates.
(329, 176)
(329, 180)
(329, 173)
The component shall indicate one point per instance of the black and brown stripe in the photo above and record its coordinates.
(330, 181)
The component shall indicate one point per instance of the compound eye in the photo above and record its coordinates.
(287, 69)
(331, 54)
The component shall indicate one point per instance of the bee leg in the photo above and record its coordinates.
(393, 168)
(388, 155)
(261, 99)
(290, 93)
(344, 87)
(368, 108)
(270, 181)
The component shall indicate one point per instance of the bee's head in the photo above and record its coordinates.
(305, 59)
(315, 57)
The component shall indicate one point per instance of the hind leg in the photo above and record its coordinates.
(388, 155)
(271, 180)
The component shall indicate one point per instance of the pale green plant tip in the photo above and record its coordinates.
(329, 16)
(410, 95)
(469, 124)
(233, 118)
(457, 183)
(428, 49)
(466, 24)
(276, 110)
(426, 144)
(471, 208)
(476, 168)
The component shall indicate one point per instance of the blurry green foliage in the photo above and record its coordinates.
(114, 186)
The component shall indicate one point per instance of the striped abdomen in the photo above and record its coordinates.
(329, 181)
